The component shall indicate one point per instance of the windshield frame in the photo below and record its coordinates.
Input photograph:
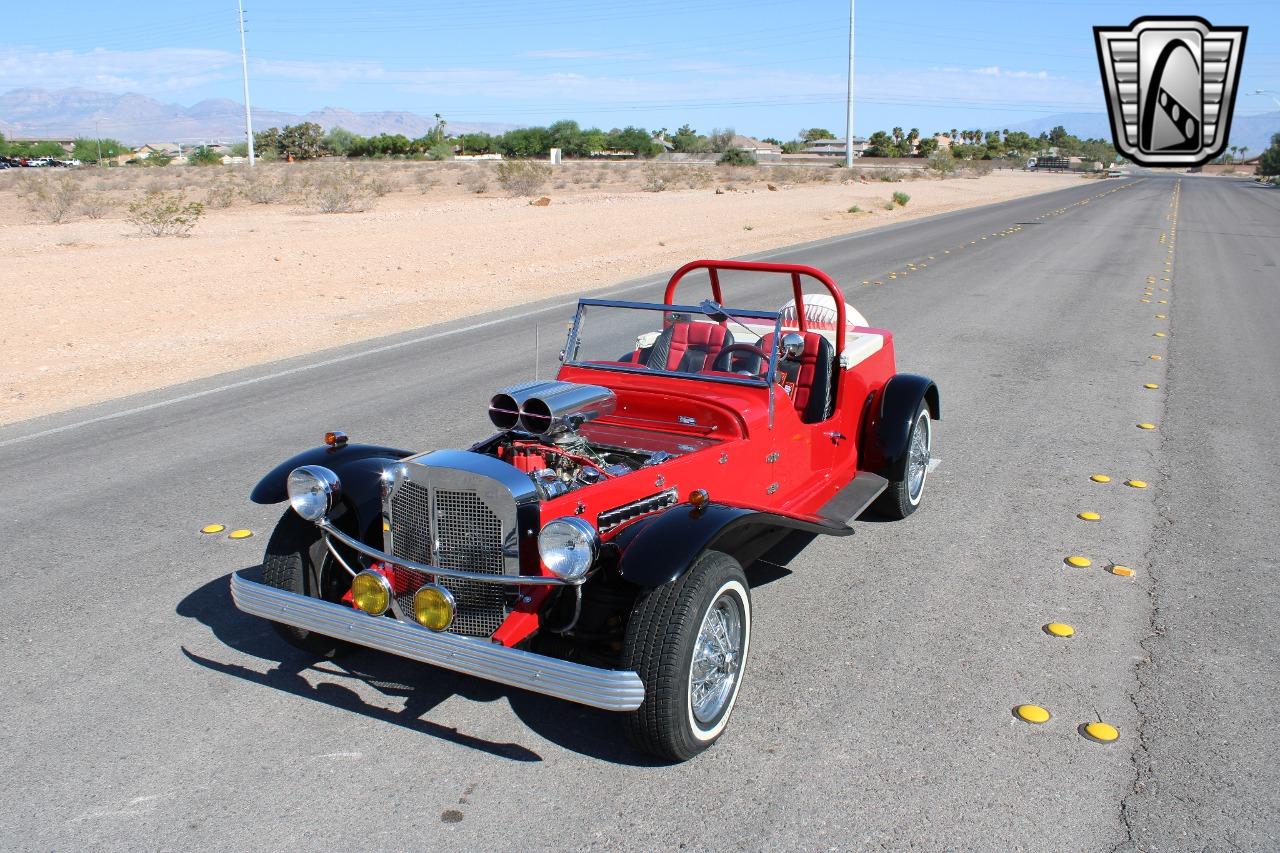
(765, 382)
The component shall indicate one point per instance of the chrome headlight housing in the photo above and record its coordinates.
(568, 547)
(312, 491)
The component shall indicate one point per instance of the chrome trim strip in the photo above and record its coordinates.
(328, 530)
(609, 689)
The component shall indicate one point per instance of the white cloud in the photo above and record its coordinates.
(161, 70)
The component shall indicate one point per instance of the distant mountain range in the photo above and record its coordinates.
(136, 119)
(1252, 131)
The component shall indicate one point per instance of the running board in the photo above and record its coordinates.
(851, 501)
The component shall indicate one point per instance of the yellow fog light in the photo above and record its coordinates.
(371, 593)
(433, 607)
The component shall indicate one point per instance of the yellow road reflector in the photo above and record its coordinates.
(1145, 301)
(1162, 316)
(1164, 290)
(1158, 335)
(1032, 713)
(1059, 629)
(1162, 301)
(240, 534)
(1136, 484)
(1151, 386)
(1145, 425)
(1079, 562)
(1089, 515)
(1100, 478)
(1155, 357)
(213, 528)
(1101, 732)
(1122, 571)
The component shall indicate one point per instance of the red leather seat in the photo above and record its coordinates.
(811, 379)
(688, 347)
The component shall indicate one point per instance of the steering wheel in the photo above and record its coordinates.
(724, 359)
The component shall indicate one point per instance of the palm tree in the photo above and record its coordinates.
(1243, 150)
(1234, 149)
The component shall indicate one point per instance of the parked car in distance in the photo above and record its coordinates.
(594, 547)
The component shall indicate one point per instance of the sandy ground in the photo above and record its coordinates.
(93, 312)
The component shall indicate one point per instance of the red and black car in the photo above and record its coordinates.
(593, 547)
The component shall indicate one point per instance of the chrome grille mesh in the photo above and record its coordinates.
(468, 537)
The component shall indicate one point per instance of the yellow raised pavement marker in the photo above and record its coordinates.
(240, 534)
(1122, 571)
(1151, 386)
(1162, 301)
(1101, 732)
(1100, 478)
(1158, 335)
(1078, 562)
(1155, 357)
(1088, 515)
(1136, 484)
(213, 528)
(1146, 425)
(1032, 714)
(1059, 629)
(1162, 316)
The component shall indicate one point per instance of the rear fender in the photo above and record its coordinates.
(359, 468)
(882, 448)
(659, 549)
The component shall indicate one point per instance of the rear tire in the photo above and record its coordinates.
(297, 561)
(904, 495)
(688, 640)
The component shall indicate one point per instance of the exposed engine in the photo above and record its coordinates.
(541, 422)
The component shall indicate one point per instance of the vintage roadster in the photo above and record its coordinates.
(593, 548)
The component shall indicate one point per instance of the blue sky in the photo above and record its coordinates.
(766, 67)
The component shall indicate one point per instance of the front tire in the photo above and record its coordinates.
(688, 640)
(297, 561)
(904, 495)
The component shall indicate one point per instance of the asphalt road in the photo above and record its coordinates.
(141, 710)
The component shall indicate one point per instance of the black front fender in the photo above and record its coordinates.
(358, 466)
(657, 550)
(883, 445)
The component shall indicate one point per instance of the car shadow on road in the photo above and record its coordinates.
(587, 731)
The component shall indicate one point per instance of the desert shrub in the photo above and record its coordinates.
(425, 181)
(96, 205)
(699, 176)
(942, 162)
(855, 209)
(341, 190)
(736, 157)
(261, 187)
(520, 177)
(161, 214)
(980, 167)
(476, 181)
(655, 179)
(901, 199)
(890, 175)
(381, 185)
(221, 195)
(440, 151)
(889, 205)
(54, 198)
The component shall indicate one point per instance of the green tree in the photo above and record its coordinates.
(879, 145)
(1269, 160)
(568, 137)
(525, 142)
(925, 147)
(204, 156)
(339, 141)
(158, 158)
(634, 139)
(688, 141)
(475, 143)
(813, 134)
(85, 149)
(240, 149)
(594, 139)
(302, 141)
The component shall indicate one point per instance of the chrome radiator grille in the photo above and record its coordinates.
(467, 534)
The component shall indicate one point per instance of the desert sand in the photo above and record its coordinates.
(94, 312)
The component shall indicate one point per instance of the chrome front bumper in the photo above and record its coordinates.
(610, 689)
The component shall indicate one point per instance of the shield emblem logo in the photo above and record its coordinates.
(1171, 87)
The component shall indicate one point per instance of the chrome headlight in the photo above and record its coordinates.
(568, 547)
(312, 490)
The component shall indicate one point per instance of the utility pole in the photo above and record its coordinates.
(97, 132)
(848, 121)
(244, 64)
